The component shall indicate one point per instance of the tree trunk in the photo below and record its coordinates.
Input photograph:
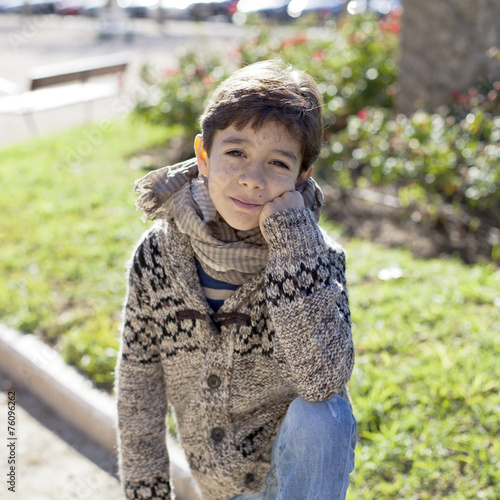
(446, 46)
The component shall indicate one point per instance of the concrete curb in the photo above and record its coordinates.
(34, 365)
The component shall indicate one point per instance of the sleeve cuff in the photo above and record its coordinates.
(295, 228)
(154, 488)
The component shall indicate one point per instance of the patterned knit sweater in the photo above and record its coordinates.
(229, 376)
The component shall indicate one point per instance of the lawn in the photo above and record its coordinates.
(68, 227)
(426, 382)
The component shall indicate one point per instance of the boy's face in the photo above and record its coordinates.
(249, 168)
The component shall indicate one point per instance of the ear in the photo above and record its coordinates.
(201, 155)
(304, 176)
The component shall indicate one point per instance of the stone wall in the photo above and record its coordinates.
(446, 45)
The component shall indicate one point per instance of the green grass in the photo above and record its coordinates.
(425, 385)
(426, 381)
(68, 227)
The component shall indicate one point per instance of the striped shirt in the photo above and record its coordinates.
(216, 291)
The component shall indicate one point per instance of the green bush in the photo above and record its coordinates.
(455, 159)
(176, 98)
(354, 64)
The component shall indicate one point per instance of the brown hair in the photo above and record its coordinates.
(267, 91)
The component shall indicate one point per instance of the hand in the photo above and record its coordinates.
(289, 199)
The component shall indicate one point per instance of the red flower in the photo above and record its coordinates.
(492, 95)
(298, 39)
(391, 25)
(170, 72)
(396, 13)
(208, 80)
(319, 55)
(460, 97)
(363, 115)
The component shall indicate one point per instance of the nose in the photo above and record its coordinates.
(252, 176)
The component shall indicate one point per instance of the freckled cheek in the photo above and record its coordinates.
(283, 187)
(225, 169)
(218, 180)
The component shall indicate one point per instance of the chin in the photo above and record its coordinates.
(242, 227)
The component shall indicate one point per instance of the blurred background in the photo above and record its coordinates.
(94, 94)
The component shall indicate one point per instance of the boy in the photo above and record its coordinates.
(237, 311)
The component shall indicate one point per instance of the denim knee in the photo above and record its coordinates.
(321, 421)
(314, 450)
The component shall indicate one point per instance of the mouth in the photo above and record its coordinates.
(245, 204)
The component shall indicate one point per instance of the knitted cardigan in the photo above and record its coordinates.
(229, 376)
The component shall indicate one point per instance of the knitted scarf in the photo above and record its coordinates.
(177, 193)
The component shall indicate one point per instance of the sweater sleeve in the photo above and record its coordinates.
(308, 304)
(141, 395)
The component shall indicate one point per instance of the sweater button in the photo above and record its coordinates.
(249, 478)
(213, 381)
(218, 434)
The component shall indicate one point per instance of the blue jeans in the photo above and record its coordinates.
(313, 453)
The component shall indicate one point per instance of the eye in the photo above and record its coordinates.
(280, 164)
(236, 153)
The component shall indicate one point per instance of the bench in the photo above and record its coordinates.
(62, 84)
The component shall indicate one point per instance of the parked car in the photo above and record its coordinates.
(275, 9)
(381, 7)
(8, 6)
(173, 9)
(323, 8)
(70, 7)
(199, 10)
(94, 8)
(29, 7)
(137, 8)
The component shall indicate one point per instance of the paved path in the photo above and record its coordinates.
(53, 460)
